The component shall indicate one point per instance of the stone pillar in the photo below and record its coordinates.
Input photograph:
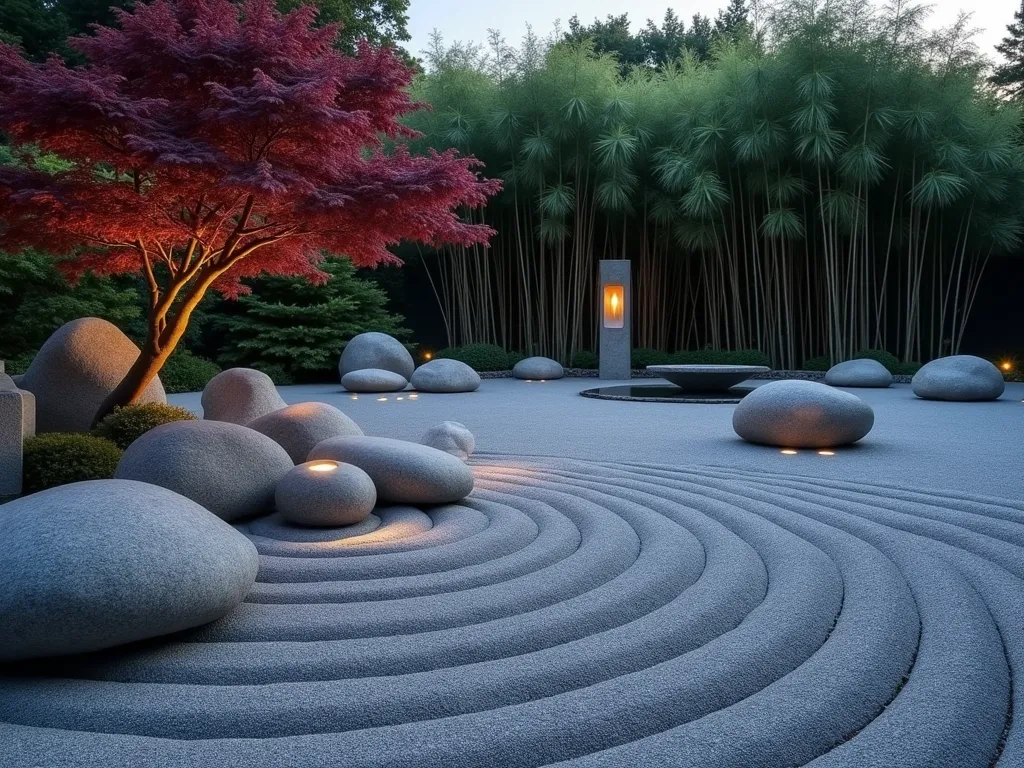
(17, 421)
(615, 303)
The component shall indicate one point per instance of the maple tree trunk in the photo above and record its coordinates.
(158, 347)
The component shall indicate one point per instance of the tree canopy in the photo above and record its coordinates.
(42, 26)
(209, 142)
(1009, 76)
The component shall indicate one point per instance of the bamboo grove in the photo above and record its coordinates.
(832, 178)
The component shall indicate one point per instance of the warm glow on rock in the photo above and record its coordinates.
(614, 306)
(323, 466)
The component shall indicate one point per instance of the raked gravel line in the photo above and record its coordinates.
(586, 614)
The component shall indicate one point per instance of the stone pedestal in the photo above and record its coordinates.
(615, 302)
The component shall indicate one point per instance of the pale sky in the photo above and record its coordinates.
(467, 20)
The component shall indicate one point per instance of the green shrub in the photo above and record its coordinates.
(642, 357)
(481, 357)
(18, 365)
(184, 372)
(277, 373)
(817, 364)
(889, 360)
(584, 359)
(57, 459)
(126, 425)
(906, 369)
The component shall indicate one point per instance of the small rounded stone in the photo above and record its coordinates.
(325, 493)
(298, 428)
(373, 380)
(537, 368)
(451, 437)
(445, 376)
(862, 372)
(403, 472)
(376, 350)
(240, 395)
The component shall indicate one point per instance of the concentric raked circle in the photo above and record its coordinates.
(587, 614)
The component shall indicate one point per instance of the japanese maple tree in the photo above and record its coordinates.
(211, 141)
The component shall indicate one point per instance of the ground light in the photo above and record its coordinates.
(323, 466)
(788, 452)
(826, 453)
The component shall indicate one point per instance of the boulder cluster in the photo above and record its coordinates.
(154, 550)
(806, 414)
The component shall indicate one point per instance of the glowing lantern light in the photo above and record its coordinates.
(788, 452)
(382, 399)
(323, 466)
(614, 306)
(428, 355)
(826, 453)
(1007, 366)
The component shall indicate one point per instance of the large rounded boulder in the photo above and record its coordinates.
(802, 414)
(298, 428)
(77, 368)
(96, 564)
(403, 472)
(445, 376)
(373, 380)
(376, 350)
(240, 395)
(538, 369)
(960, 378)
(229, 469)
(862, 372)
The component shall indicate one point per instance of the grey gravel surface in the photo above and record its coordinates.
(854, 611)
(977, 447)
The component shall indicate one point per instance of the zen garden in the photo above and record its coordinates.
(624, 396)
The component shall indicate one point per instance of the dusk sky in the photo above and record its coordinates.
(463, 20)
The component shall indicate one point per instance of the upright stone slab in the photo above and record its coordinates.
(616, 302)
(11, 439)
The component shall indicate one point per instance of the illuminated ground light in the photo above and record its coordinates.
(382, 399)
(399, 398)
(355, 397)
(323, 466)
(788, 452)
(826, 453)
(414, 397)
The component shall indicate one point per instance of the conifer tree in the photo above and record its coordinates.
(1009, 76)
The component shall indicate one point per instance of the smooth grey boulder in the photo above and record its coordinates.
(229, 469)
(240, 395)
(376, 350)
(538, 368)
(802, 414)
(862, 372)
(76, 370)
(373, 380)
(404, 473)
(298, 428)
(960, 378)
(325, 494)
(451, 437)
(445, 376)
(91, 565)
